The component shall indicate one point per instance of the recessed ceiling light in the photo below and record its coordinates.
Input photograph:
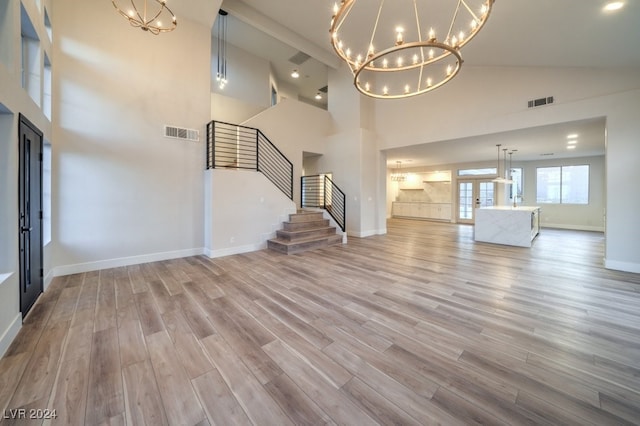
(571, 147)
(572, 136)
(295, 74)
(573, 142)
(318, 96)
(613, 5)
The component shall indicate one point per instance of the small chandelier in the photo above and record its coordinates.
(413, 47)
(139, 13)
(397, 176)
(221, 71)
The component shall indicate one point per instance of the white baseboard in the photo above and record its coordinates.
(573, 227)
(47, 280)
(622, 266)
(10, 333)
(370, 233)
(234, 250)
(124, 261)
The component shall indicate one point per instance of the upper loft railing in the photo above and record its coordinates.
(230, 146)
(320, 191)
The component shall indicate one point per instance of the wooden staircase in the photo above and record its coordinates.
(305, 230)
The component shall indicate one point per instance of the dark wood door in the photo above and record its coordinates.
(30, 213)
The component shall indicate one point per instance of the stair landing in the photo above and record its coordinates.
(305, 230)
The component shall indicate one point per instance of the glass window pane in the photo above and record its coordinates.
(548, 185)
(516, 186)
(575, 184)
(477, 172)
(466, 200)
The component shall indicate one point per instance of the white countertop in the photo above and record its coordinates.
(511, 208)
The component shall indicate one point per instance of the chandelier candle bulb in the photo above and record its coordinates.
(399, 39)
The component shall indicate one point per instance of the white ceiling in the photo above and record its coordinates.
(549, 33)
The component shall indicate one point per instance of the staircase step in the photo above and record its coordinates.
(305, 216)
(297, 246)
(310, 224)
(303, 234)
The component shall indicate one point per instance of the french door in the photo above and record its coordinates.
(474, 193)
(30, 213)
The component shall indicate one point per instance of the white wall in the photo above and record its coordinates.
(123, 193)
(589, 217)
(243, 209)
(232, 110)
(294, 127)
(247, 77)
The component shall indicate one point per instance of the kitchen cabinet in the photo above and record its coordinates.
(420, 210)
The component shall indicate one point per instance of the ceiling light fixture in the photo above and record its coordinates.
(295, 74)
(142, 14)
(221, 74)
(500, 178)
(398, 176)
(413, 46)
(318, 96)
(613, 5)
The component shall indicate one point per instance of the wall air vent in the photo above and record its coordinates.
(181, 133)
(324, 89)
(299, 58)
(540, 102)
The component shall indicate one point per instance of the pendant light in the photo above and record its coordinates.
(500, 178)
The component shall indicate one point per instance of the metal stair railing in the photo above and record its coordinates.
(319, 191)
(232, 146)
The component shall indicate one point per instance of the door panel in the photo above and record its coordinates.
(474, 193)
(30, 213)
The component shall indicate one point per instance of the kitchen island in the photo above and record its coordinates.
(513, 226)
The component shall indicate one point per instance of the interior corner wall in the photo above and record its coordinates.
(354, 157)
(247, 77)
(123, 193)
(294, 128)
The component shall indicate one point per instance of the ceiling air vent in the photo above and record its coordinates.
(324, 89)
(299, 58)
(181, 133)
(540, 101)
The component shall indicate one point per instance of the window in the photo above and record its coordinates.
(46, 193)
(563, 185)
(516, 186)
(478, 172)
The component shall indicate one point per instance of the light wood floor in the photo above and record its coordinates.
(419, 326)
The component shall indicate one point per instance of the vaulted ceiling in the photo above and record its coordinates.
(519, 33)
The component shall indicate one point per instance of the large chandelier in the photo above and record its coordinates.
(149, 15)
(405, 47)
